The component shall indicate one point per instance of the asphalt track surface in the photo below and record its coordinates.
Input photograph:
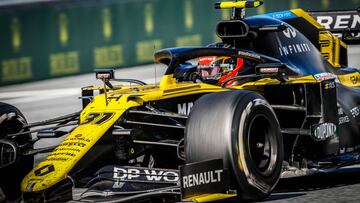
(50, 98)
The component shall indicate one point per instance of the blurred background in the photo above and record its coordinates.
(41, 39)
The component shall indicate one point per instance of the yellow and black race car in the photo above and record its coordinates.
(288, 102)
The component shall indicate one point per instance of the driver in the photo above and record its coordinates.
(216, 69)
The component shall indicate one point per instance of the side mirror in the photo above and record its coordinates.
(278, 70)
(105, 74)
(8, 153)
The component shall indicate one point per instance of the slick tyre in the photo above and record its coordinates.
(12, 121)
(240, 128)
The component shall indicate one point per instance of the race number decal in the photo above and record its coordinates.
(97, 118)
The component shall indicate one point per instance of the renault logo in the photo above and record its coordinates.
(44, 170)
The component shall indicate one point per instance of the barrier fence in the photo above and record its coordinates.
(46, 40)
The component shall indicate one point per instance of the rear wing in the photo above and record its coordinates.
(343, 24)
(311, 24)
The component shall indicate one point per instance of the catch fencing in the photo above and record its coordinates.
(51, 39)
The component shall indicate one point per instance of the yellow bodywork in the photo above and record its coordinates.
(239, 4)
(211, 197)
(95, 120)
(330, 45)
(57, 165)
(351, 79)
(302, 14)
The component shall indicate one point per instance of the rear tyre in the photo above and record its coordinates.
(240, 128)
(12, 121)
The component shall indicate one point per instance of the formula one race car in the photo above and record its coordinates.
(291, 107)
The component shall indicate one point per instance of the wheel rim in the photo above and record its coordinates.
(262, 145)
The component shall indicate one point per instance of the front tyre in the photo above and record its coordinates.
(12, 121)
(240, 128)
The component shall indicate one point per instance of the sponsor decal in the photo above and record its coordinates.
(115, 97)
(69, 144)
(97, 118)
(323, 131)
(106, 23)
(206, 60)
(329, 85)
(324, 76)
(206, 177)
(145, 49)
(248, 55)
(30, 186)
(290, 32)
(145, 174)
(282, 15)
(16, 33)
(109, 56)
(344, 119)
(355, 112)
(294, 48)
(65, 149)
(16, 69)
(340, 110)
(44, 170)
(351, 20)
(103, 75)
(79, 138)
(349, 149)
(62, 63)
(297, 48)
(185, 108)
(354, 79)
(269, 70)
(57, 159)
(338, 21)
(203, 178)
(63, 154)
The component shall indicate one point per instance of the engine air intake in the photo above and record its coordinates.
(232, 29)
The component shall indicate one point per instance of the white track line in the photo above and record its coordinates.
(16, 94)
(18, 97)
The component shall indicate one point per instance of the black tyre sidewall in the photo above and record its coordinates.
(12, 175)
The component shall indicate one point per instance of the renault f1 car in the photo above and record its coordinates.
(295, 110)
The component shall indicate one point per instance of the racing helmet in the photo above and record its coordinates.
(216, 69)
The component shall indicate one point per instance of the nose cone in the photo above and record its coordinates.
(57, 165)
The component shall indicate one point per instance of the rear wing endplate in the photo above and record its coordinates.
(344, 24)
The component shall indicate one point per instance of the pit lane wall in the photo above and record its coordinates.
(60, 38)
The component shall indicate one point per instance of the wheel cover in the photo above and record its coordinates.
(262, 145)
